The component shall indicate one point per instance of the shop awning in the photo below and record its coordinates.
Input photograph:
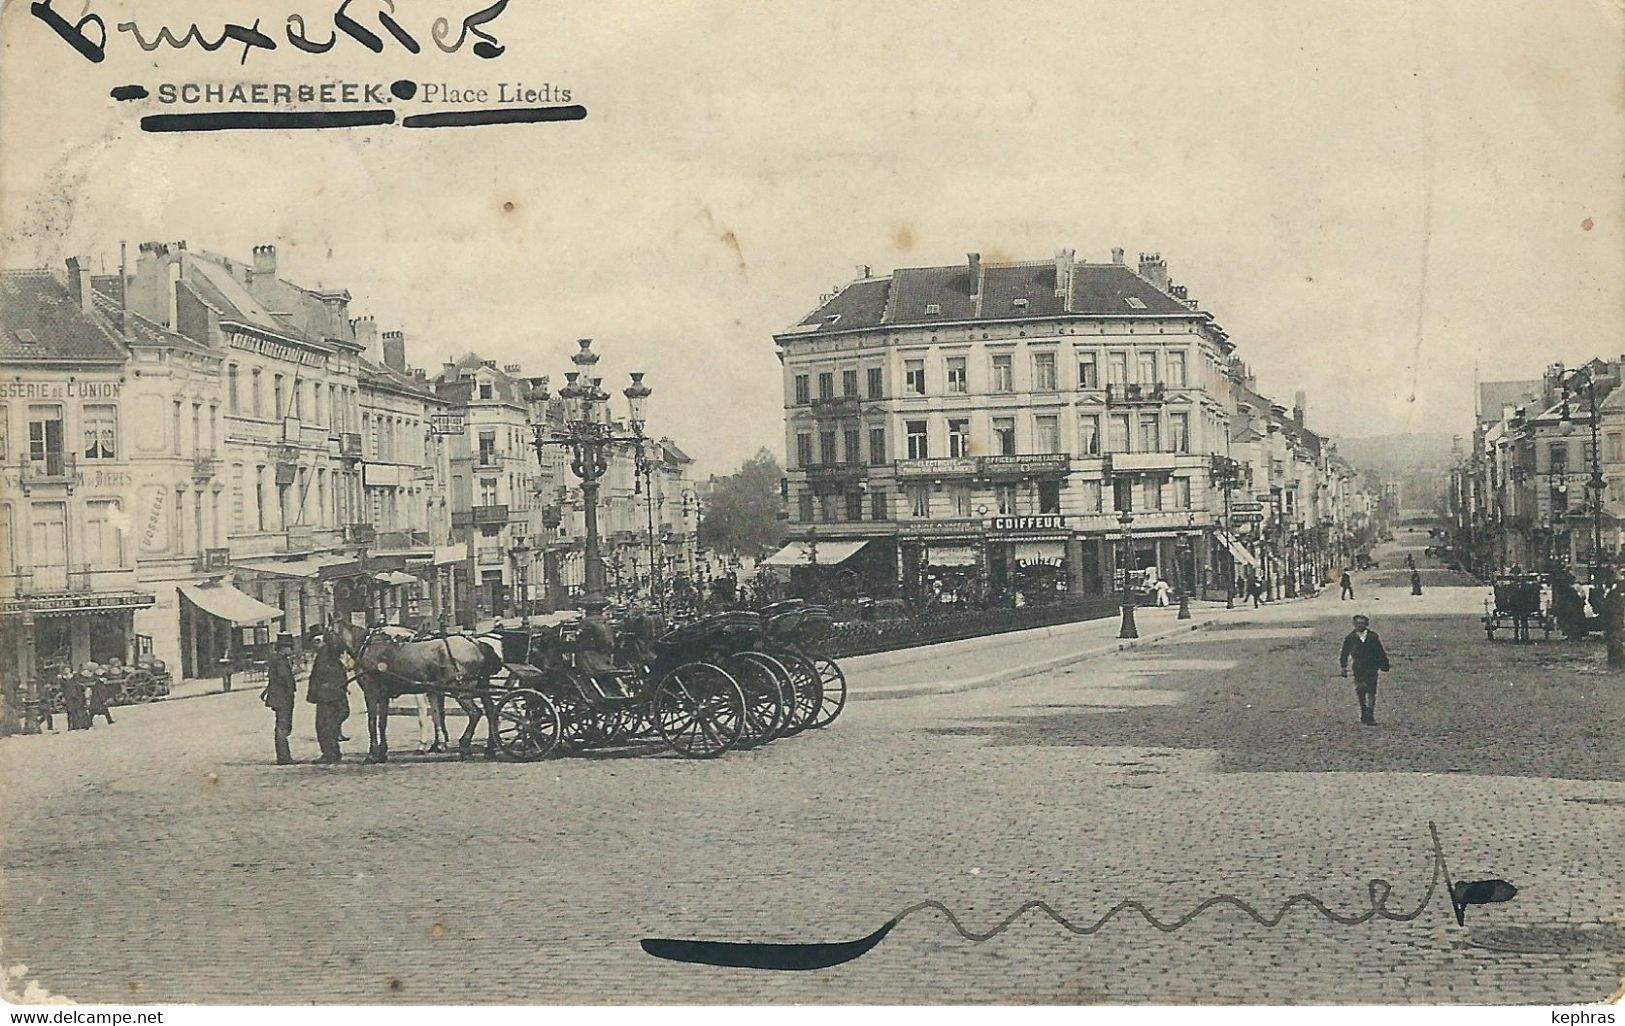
(800, 553)
(304, 568)
(394, 577)
(229, 604)
(1238, 551)
(448, 554)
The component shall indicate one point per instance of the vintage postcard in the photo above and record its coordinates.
(633, 503)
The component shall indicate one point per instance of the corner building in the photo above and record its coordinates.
(978, 430)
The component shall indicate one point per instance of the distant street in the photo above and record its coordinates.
(1225, 760)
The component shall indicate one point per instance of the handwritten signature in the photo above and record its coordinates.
(79, 34)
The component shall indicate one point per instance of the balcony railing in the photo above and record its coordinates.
(65, 580)
(835, 471)
(481, 516)
(51, 468)
(841, 406)
(392, 541)
(205, 464)
(1130, 395)
(486, 458)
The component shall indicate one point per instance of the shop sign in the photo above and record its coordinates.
(448, 423)
(78, 603)
(59, 390)
(945, 466)
(1034, 562)
(1247, 518)
(1017, 524)
(1034, 463)
(1247, 507)
(276, 350)
(940, 529)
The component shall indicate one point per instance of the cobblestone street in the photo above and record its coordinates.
(165, 858)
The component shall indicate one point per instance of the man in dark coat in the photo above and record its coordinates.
(1348, 586)
(1364, 649)
(329, 692)
(281, 690)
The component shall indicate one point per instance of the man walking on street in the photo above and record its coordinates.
(1364, 648)
(329, 693)
(1348, 586)
(280, 691)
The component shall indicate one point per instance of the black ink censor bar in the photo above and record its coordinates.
(511, 116)
(230, 120)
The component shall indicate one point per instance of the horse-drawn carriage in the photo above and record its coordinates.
(735, 679)
(1517, 604)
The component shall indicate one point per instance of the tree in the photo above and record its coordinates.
(742, 516)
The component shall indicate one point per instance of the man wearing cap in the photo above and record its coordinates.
(278, 696)
(1364, 648)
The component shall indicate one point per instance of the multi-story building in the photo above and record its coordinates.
(983, 428)
(492, 468)
(68, 532)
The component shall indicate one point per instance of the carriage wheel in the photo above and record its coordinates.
(809, 693)
(765, 703)
(528, 725)
(698, 710)
(790, 683)
(833, 683)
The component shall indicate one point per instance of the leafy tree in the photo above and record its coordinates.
(742, 516)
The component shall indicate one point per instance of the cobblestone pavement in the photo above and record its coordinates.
(165, 859)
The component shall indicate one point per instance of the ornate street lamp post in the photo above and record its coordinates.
(589, 436)
(1596, 485)
(1187, 566)
(1128, 629)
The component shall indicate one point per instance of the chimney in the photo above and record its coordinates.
(864, 270)
(172, 285)
(975, 262)
(1117, 255)
(79, 283)
(395, 351)
(512, 370)
(265, 260)
(1064, 259)
(1154, 269)
(1177, 291)
(492, 364)
(1299, 402)
(449, 371)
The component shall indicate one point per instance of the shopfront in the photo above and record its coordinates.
(943, 562)
(1028, 559)
(41, 635)
(223, 630)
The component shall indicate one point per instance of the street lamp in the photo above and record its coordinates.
(1128, 629)
(589, 436)
(1596, 485)
(1186, 565)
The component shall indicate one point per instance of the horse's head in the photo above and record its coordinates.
(346, 636)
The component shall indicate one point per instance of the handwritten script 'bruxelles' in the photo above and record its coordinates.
(79, 34)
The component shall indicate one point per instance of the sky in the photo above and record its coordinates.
(1373, 198)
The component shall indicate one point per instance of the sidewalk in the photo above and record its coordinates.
(982, 662)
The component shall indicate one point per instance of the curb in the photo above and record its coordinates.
(1017, 672)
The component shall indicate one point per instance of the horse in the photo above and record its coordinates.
(389, 664)
(431, 708)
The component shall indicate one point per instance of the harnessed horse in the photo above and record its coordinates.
(389, 664)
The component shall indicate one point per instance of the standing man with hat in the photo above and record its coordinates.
(1365, 649)
(278, 696)
(329, 692)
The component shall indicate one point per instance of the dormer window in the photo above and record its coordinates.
(933, 309)
(485, 390)
(830, 321)
(1135, 302)
(1019, 304)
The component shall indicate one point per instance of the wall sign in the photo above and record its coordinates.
(1014, 524)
